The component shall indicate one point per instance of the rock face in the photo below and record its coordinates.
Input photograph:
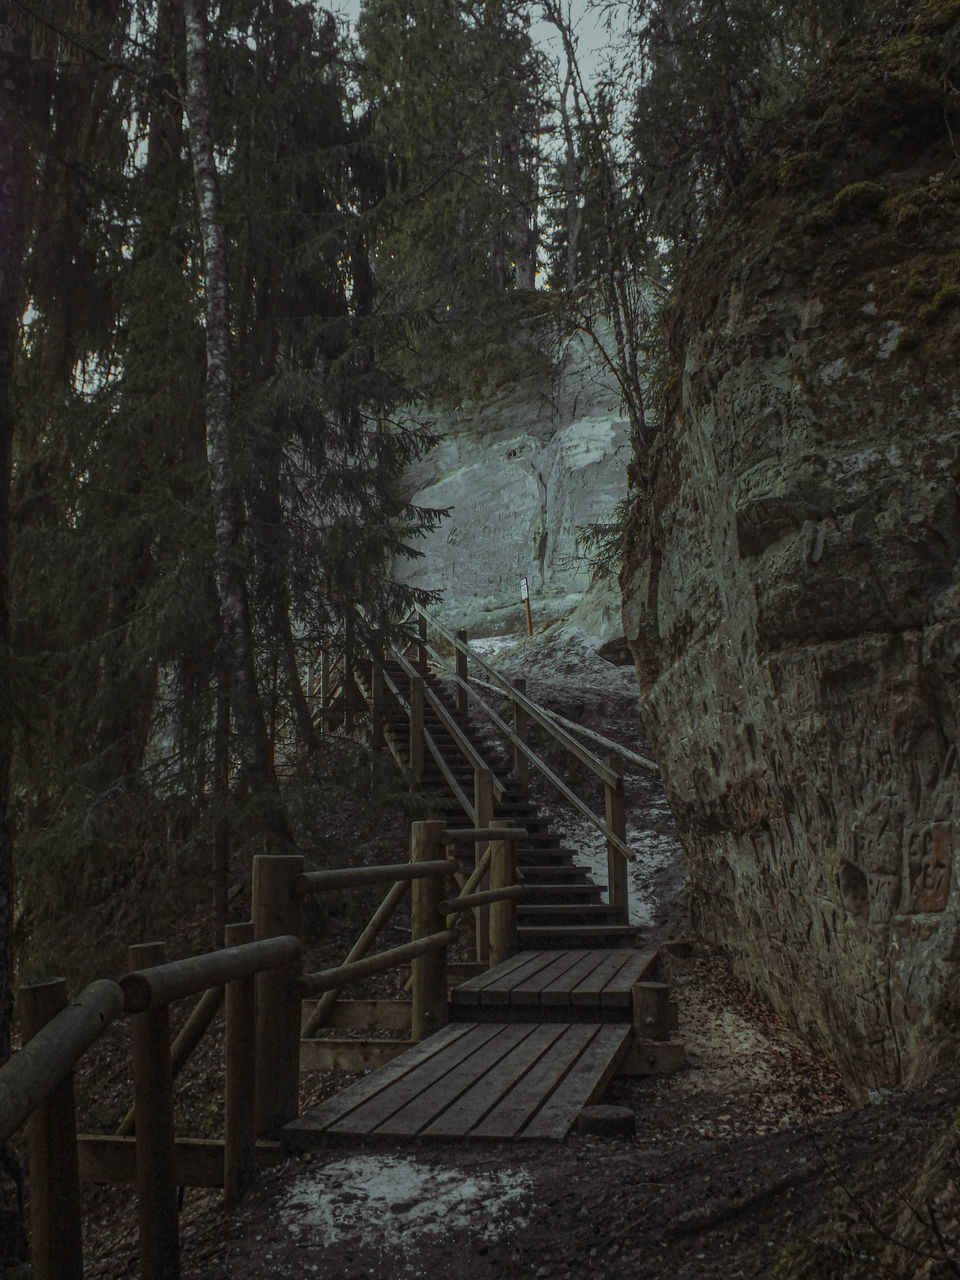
(519, 474)
(792, 586)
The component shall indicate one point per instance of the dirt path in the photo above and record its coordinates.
(733, 1159)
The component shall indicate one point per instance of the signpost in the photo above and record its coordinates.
(525, 597)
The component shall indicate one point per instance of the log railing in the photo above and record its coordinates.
(258, 979)
(413, 699)
(36, 1087)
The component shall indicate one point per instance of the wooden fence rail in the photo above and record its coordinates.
(257, 978)
(413, 695)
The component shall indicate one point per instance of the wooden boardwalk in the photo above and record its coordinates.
(582, 985)
(475, 1080)
(534, 1041)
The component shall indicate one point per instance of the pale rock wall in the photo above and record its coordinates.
(792, 596)
(519, 474)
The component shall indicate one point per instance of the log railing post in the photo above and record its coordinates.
(239, 1148)
(55, 1231)
(654, 1017)
(503, 915)
(428, 973)
(377, 700)
(416, 726)
(463, 710)
(277, 909)
(520, 764)
(324, 689)
(421, 644)
(153, 1120)
(483, 804)
(616, 818)
(349, 659)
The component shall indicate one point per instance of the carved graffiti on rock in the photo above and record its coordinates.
(929, 867)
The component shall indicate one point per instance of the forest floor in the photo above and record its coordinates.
(735, 1162)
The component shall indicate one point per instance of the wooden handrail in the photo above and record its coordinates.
(468, 901)
(640, 761)
(311, 984)
(451, 780)
(609, 776)
(36, 1069)
(463, 743)
(359, 949)
(470, 835)
(163, 984)
(354, 877)
(531, 708)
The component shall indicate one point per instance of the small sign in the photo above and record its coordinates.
(524, 589)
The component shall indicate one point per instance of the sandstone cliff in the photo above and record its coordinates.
(519, 472)
(792, 587)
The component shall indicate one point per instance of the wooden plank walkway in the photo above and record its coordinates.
(475, 1080)
(581, 985)
(539, 1038)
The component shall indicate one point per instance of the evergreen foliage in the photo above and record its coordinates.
(702, 77)
(457, 98)
(118, 632)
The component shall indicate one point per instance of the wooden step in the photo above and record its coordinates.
(539, 984)
(537, 936)
(549, 856)
(474, 1080)
(566, 873)
(546, 891)
(586, 914)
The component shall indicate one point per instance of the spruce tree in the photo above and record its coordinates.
(129, 542)
(457, 97)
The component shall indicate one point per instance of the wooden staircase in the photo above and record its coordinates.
(564, 907)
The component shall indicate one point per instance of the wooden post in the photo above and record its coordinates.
(503, 915)
(416, 726)
(277, 909)
(422, 644)
(153, 1112)
(463, 708)
(616, 816)
(483, 803)
(654, 1017)
(187, 1039)
(324, 689)
(348, 665)
(428, 973)
(239, 1148)
(55, 1230)
(520, 763)
(377, 699)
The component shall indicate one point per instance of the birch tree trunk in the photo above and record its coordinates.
(232, 594)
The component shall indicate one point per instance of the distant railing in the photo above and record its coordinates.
(415, 695)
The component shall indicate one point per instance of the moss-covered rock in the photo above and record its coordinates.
(792, 589)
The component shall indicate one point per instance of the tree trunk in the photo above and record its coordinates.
(573, 212)
(254, 746)
(14, 93)
(14, 86)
